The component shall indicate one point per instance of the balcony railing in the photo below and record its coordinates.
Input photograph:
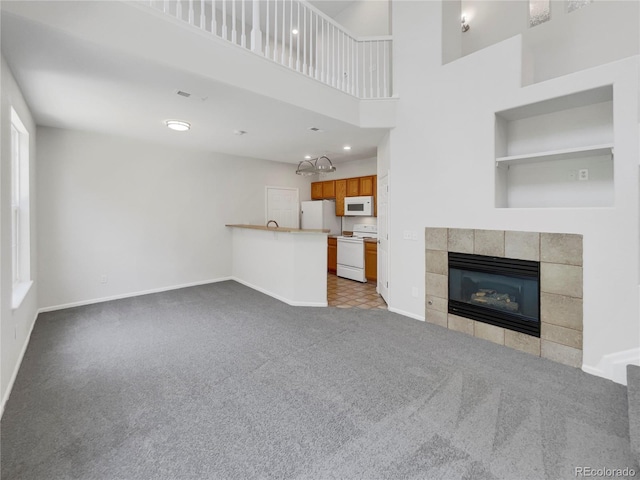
(295, 34)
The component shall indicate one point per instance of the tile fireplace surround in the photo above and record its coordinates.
(560, 257)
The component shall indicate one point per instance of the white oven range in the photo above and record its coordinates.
(351, 252)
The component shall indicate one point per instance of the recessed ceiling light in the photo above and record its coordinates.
(307, 157)
(347, 147)
(178, 125)
(294, 31)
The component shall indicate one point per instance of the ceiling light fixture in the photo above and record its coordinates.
(294, 31)
(314, 167)
(178, 125)
(307, 157)
(347, 147)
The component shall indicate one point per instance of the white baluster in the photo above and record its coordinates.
(291, 34)
(165, 6)
(352, 79)
(224, 19)
(214, 22)
(203, 19)
(344, 62)
(284, 27)
(275, 30)
(179, 10)
(266, 37)
(384, 58)
(318, 67)
(378, 65)
(334, 55)
(191, 13)
(370, 69)
(256, 32)
(234, 32)
(243, 37)
(300, 32)
(304, 43)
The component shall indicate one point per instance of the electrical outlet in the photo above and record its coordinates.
(583, 174)
(409, 235)
(104, 279)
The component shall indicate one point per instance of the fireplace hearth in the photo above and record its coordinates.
(499, 291)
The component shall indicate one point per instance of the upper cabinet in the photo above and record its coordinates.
(323, 190)
(345, 187)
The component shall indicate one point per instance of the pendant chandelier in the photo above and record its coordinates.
(314, 167)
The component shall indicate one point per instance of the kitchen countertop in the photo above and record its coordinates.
(277, 229)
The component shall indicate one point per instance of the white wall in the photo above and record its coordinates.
(593, 35)
(443, 174)
(145, 216)
(366, 17)
(15, 325)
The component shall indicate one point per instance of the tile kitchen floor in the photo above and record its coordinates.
(344, 293)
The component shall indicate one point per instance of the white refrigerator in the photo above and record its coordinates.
(321, 214)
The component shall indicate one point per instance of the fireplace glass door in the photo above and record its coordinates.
(500, 291)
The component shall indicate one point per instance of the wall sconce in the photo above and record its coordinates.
(465, 25)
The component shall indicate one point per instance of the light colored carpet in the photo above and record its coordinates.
(633, 394)
(222, 382)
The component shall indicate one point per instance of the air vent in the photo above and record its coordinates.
(183, 94)
(315, 129)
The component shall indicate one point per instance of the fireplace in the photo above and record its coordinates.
(499, 291)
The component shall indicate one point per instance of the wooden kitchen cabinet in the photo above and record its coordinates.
(316, 190)
(353, 187)
(329, 189)
(366, 186)
(341, 192)
(332, 254)
(371, 260)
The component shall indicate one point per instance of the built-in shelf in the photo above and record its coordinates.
(572, 163)
(563, 154)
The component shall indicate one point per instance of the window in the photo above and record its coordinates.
(539, 12)
(20, 230)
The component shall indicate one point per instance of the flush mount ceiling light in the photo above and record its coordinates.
(346, 147)
(178, 125)
(307, 157)
(314, 167)
(294, 31)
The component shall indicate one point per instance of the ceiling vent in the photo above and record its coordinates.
(315, 129)
(183, 94)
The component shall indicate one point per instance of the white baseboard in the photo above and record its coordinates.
(128, 295)
(406, 314)
(12, 380)
(614, 365)
(280, 297)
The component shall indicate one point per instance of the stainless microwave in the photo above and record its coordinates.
(358, 206)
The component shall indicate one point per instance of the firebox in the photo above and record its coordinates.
(500, 291)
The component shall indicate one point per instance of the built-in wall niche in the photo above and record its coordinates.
(556, 153)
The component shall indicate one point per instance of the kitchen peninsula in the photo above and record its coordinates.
(285, 263)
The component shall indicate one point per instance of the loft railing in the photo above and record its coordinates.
(295, 34)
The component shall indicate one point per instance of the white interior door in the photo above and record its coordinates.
(383, 237)
(282, 205)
